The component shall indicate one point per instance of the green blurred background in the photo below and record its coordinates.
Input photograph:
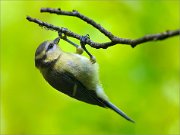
(143, 81)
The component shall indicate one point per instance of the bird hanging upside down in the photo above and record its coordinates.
(72, 74)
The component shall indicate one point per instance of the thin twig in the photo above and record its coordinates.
(113, 39)
(75, 13)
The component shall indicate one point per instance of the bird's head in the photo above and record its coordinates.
(47, 52)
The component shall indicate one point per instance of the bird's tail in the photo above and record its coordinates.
(117, 110)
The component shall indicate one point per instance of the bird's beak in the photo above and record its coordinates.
(56, 41)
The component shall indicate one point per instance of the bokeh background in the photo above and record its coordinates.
(142, 81)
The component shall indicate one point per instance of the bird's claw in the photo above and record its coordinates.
(83, 39)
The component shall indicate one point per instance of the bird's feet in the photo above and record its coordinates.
(83, 41)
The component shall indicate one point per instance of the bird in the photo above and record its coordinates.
(72, 74)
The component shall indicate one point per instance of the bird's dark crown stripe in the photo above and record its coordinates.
(40, 48)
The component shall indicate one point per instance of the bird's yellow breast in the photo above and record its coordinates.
(81, 67)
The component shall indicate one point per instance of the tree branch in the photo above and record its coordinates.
(113, 39)
(75, 13)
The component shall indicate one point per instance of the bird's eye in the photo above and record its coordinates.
(50, 46)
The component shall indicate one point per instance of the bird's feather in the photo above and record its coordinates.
(69, 85)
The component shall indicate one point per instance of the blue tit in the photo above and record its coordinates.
(73, 75)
